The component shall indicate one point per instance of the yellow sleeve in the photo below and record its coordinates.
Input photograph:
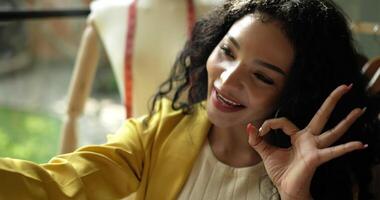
(109, 171)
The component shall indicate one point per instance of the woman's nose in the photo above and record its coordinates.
(232, 77)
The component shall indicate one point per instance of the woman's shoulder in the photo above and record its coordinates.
(164, 121)
(167, 117)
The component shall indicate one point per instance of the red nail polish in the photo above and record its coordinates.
(250, 127)
(247, 129)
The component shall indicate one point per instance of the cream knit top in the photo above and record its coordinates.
(211, 179)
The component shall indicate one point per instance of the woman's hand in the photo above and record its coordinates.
(291, 169)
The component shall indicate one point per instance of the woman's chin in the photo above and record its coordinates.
(222, 120)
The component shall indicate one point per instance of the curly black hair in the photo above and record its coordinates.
(325, 57)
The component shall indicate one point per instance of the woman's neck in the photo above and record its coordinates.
(230, 146)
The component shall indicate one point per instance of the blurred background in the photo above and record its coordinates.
(36, 63)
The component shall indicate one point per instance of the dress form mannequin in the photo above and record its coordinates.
(141, 39)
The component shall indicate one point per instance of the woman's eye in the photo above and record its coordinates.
(227, 51)
(264, 79)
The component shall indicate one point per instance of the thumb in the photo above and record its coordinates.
(258, 143)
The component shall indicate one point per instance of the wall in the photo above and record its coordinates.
(364, 10)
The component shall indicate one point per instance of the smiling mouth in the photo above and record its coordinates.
(226, 100)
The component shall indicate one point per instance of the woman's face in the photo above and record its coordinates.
(247, 71)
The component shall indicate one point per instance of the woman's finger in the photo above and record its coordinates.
(278, 123)
(258, 143)
(330, 153)
(321, 117)
(328, 138)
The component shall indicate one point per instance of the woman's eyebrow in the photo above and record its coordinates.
(270, 66)
(233, 40)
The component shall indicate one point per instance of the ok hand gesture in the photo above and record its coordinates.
(291, 169)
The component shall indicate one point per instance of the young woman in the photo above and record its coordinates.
(265, 101)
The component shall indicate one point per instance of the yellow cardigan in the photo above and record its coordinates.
(153, 160)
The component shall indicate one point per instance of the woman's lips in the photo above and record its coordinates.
(223, 104)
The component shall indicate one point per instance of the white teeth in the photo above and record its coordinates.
(227, 100)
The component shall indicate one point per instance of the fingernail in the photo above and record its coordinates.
(364, 109)
(249, 128)
(350, 86)
(261, 131)
(365, 146)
